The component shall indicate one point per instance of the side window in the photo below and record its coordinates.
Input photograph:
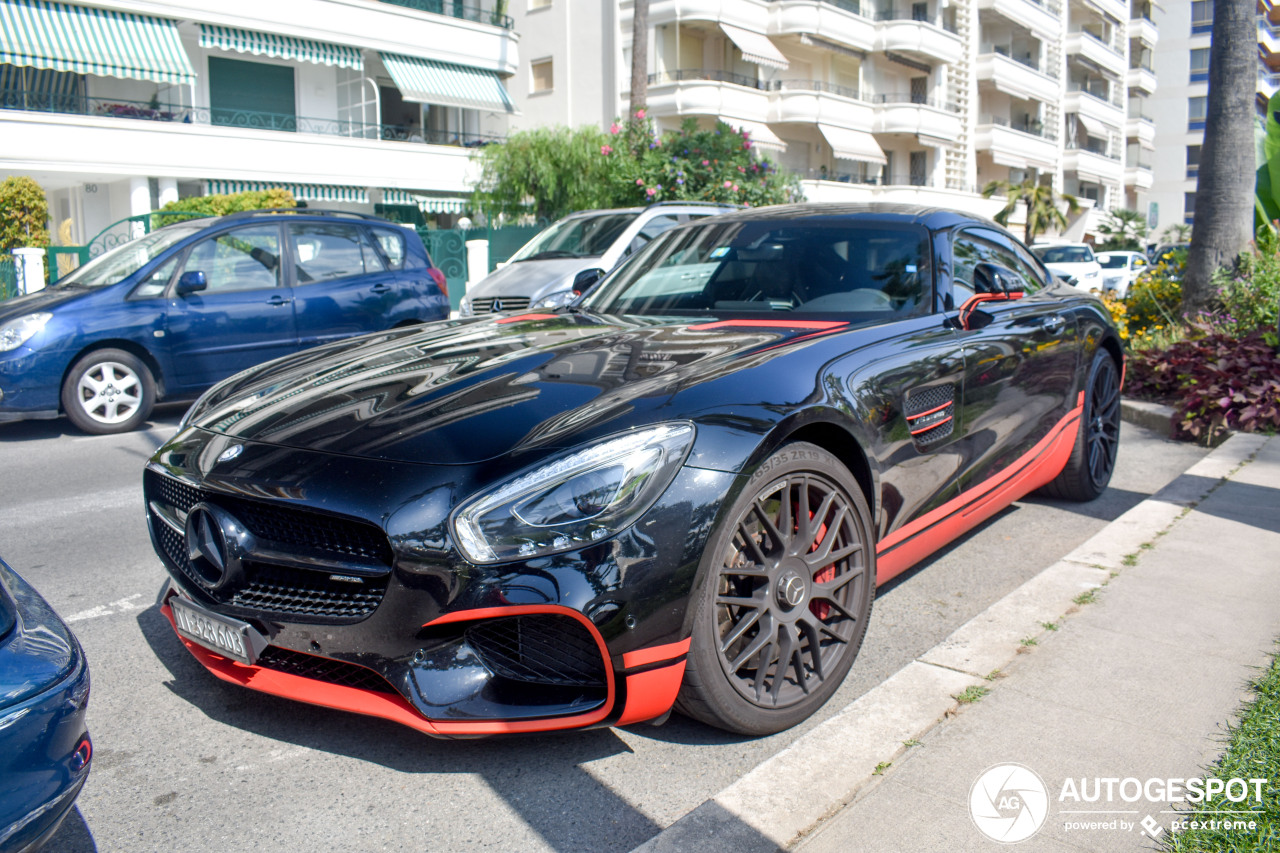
(652, 229)
(392, 243)
(154, 284)
(243, 259)
(323, 251)
(972, 248)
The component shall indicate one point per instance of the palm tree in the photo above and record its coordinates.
(1178, 232)
(1041, 201)
(1124, 229)
(1225, 186)
(639, 56)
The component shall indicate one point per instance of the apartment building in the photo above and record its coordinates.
(117, 107)
(1182, 64)
(921, 101)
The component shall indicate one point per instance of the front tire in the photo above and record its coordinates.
(789, 578)
(1093, 459)
(108, 391)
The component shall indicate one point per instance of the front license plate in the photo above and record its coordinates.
(227, 637)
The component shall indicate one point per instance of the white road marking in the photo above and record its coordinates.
(124, 605)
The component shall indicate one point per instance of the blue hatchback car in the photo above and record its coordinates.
(174, 311)
(44, 690)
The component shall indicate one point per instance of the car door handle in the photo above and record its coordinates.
(278, 300)
(1053, 325)
(380, 288)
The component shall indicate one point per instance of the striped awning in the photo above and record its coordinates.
(280, 47)
(40, 82)
(301, 192)
(756, 47)
(856, 145)
(62, 37)
(431, 82)
(434, 204)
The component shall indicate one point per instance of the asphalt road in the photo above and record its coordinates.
(184, 762)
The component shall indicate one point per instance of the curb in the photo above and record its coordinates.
(789, 795)
(1154, 416)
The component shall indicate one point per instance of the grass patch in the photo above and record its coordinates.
(1030, 641)
(971, 694)
(1253, 752)
(910, 743)
(881, 767)
(1089, 596)
(1049, 626)
(1130, 559)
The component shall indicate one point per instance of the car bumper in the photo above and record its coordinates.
(30, 383)
(587, 638)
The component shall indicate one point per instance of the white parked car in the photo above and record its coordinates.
(1120, 270)
(1073, 261)
(574, 252)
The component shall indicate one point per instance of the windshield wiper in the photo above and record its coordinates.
(553, 253)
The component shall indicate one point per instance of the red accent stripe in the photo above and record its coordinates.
(931, 411)
(521, 317)
(1080, 400)
(394, 707)
(769, 324)
(912, 542)
(928, 427)
(651, 694)
(653, 654)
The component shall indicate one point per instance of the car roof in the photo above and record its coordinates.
(933, 218)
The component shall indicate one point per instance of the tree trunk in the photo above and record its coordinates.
(1224, 192)
(640, 56)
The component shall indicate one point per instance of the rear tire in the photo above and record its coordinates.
(1093, 459)
(108, 391)
(789, 578)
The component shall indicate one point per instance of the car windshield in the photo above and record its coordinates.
(1112, 262)
(123, 261)
(1065, 254)
(872, 272)
(576, 237)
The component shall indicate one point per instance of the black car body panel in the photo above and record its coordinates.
(342, 471)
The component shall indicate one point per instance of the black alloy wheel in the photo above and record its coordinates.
(789, 583)
(1093, 459)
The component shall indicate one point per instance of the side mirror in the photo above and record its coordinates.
(585, 280)
(192, 281)
(998, 280)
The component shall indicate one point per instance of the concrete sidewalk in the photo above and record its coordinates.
(1158, 624)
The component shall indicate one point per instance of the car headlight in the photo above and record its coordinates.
(559, 299)
(1091, 274)
(574, 500)
(17, 332)
(464, 307)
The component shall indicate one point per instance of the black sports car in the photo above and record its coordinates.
(680, 491)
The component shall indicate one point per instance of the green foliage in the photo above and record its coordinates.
(1042, 206)
(221, 205)
(551, 172)
(1248, 297)
(1153, 304)
(1125, 231)
(1178, 232)
(24, 214)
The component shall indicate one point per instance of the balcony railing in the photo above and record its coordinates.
(893, 13)
(14, 99)
(847, 5)
(899, 98)
(1097, 93)
(1101, 149)
(479, 12)
(1099, 39)
(1035, 128)
(686, 74)
(1026, 59)
(817, 86)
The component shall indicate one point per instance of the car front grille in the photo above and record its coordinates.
(505, 303)
(323, 669)
(328, 592)
(539, 649)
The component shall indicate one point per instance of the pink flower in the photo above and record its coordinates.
(706, 162)
(640, 114)
(613, 128)
(735, 187)
(742, 169)
(651, 191)
(728, 184)
(747, 145)
(606, 150)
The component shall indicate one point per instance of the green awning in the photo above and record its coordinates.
(280, 47)
(448, 85)
(301, 192)
(62, 37)
(427, 203)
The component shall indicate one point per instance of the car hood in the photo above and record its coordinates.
(533, 279)
(39, 651)
(41, 300)
(466, 391)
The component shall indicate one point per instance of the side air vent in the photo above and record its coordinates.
(930, 413)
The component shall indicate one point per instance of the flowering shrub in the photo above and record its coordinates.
(1215, 382)
(1155, 299)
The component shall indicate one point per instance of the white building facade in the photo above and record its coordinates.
(892, 100)
(118, 107)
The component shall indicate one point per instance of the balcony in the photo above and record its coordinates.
(1115, 9)
(120, 137)
(1092, 48)
(816, 102)
(1141, 128)
(1017, 77)
(935, 122)
(750, 16)
(702, 91)
(1095, 107)
(1094, 165)
(1142, 79)
(1144, 30)
(1042, 17)
(1017, 148)
(922, 40)
(902, 189)
(839, 21)
(480, 13)
(1139, 175)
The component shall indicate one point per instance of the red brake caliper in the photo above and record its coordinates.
(821, 609)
